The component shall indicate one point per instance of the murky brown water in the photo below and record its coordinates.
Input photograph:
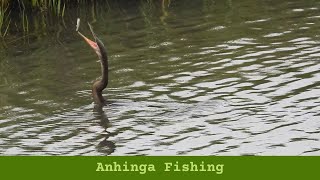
(195, 78)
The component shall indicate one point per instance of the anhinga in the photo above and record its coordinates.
(101, 51)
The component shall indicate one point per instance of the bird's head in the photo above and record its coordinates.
(96, 45)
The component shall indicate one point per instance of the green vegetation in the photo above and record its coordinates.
(15, 15)
(4, 16)
(19, 18)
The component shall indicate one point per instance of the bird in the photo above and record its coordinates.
(99, 85)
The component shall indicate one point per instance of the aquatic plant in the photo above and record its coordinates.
(4, 18)
(20, 17)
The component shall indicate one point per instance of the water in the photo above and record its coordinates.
(191, 78)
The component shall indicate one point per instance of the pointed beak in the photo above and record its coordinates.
(91, 43)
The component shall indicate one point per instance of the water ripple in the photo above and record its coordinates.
(219, 83)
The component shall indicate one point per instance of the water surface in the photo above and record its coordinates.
(186, 78)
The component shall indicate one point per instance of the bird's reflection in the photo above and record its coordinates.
(105, 146)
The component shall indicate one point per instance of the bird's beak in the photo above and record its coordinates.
(91, 43)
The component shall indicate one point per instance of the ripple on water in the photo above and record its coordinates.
(215, 84)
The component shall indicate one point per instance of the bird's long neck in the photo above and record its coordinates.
(104, 69)
(101, 84)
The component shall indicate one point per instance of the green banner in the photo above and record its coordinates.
(140, 167)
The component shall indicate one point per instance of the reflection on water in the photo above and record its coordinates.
(105, 146)
(190, 77)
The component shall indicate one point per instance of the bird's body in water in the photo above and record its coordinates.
(101, 84)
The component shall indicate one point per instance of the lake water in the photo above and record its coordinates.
(186, 78)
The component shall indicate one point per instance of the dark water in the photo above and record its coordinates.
(188, 78)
